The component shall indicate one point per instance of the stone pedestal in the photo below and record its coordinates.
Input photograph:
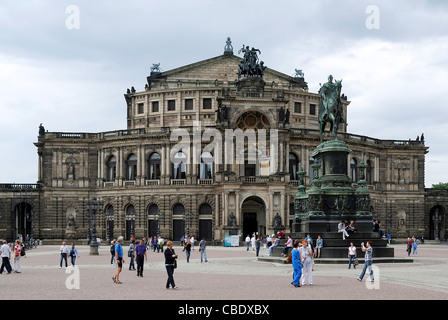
(94, 248)
(332, 199)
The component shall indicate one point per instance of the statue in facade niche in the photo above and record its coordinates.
(287, 114)
(232, 220)
(277, 221)
(330, 109)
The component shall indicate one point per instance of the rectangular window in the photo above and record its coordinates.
(171, 105)
(188, 104)
(140, 108)
(155, 106)
(207, 103)
(297, 107)
(312, 109)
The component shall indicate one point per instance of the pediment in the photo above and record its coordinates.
(220, 68)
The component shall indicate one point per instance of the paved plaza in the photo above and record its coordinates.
(231, 273)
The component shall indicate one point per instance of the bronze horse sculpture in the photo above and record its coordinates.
(330, 109)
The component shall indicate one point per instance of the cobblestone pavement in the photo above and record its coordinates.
(230, 273)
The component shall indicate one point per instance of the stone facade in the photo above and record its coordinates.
(131, 170)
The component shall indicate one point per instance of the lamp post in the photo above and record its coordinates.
(187, 217)
(158, 216)
(92, 209)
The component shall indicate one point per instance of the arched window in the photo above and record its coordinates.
(154, 166)
(179, 166)
(111, 168)
(179, 209)
(354, 170)
(153, 210)
(206, 166)
(293, 167)
(131, 167)
(205, 208)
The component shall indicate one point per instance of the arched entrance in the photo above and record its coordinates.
(437, 223)
(253, 213)
(22, 219)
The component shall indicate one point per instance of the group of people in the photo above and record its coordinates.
(188, 244)
(66, 252)
(412, 245)
(18, 251)
(344, 229)
(269, 242)
(138, 253)
(301, 259)
(316, 248)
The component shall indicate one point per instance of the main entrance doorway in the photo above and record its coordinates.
(253, 212)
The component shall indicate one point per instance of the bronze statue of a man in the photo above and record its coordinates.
(330, 109)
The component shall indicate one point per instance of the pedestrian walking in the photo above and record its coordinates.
(257, 246)
(182, 242)
(202, 249)
(296, 261)
(352, 255)
(252, 241)
(63, 249)
(154, 244)
(170, 265)
(192, 242)
(119, 258)
(187, 249)
(112, 252)
(409, 246)
(131, 255)
(247, 242)
(17, 257)
(73, 254)
(368, 261)
(140, 257)
(414, 247)
(307, 269)
(5, 253)
(160, 243)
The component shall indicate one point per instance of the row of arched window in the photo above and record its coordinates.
(178, 167)
(205, 168)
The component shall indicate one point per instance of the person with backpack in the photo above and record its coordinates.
(73, 253)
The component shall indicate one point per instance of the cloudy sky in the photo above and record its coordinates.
(67, 64)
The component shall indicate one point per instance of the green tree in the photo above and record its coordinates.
(441, 186)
